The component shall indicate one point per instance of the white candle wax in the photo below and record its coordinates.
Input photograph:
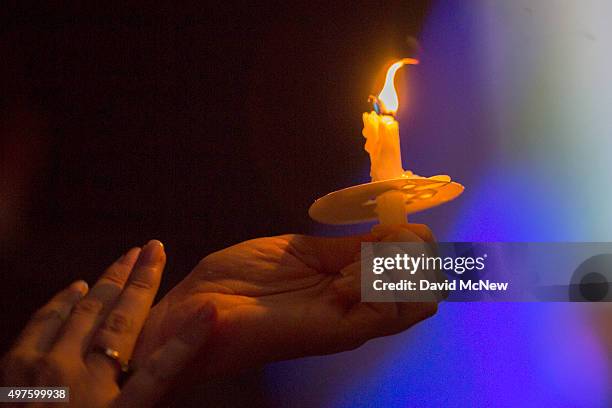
(383, 145)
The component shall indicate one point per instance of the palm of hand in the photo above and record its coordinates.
(278, 298)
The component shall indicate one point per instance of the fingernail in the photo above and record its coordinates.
(80, 286)
(152, 252)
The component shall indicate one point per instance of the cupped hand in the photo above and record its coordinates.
(283, 297)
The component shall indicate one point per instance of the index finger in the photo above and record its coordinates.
(121, 328)
(89, 312)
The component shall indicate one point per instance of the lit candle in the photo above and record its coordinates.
(381, 130)
(393, 192)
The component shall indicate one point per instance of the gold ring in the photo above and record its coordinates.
(114, 355)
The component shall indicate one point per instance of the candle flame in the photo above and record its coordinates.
(388, 95)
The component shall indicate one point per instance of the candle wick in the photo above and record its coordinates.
(375, 103)
(379, 106)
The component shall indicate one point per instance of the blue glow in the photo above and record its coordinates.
(470, 122)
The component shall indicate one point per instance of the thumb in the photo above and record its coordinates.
(416, 233)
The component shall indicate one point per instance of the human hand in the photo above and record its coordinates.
(65, 342)
(283, 297)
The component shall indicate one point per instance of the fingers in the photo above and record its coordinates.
(151, 381)
(423, 231)
(348, 284)
(40, 333)
(363, 321)
(332, 254)
(89, 312)
(410, 233)
(121, 327)
(403, 233)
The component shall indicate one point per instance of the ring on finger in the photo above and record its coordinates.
(115, 356)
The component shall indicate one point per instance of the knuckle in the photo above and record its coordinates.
(48, 314)
(118, 323)
(426, 232)
(50, 370)
(20, 359)
(116, 276)
(142, 284)
(89, 306)
(18, 368)
(124, 261)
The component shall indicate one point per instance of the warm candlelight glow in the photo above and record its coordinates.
(394, 192)
(388, 96)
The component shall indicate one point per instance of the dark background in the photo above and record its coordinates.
(199, 125)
